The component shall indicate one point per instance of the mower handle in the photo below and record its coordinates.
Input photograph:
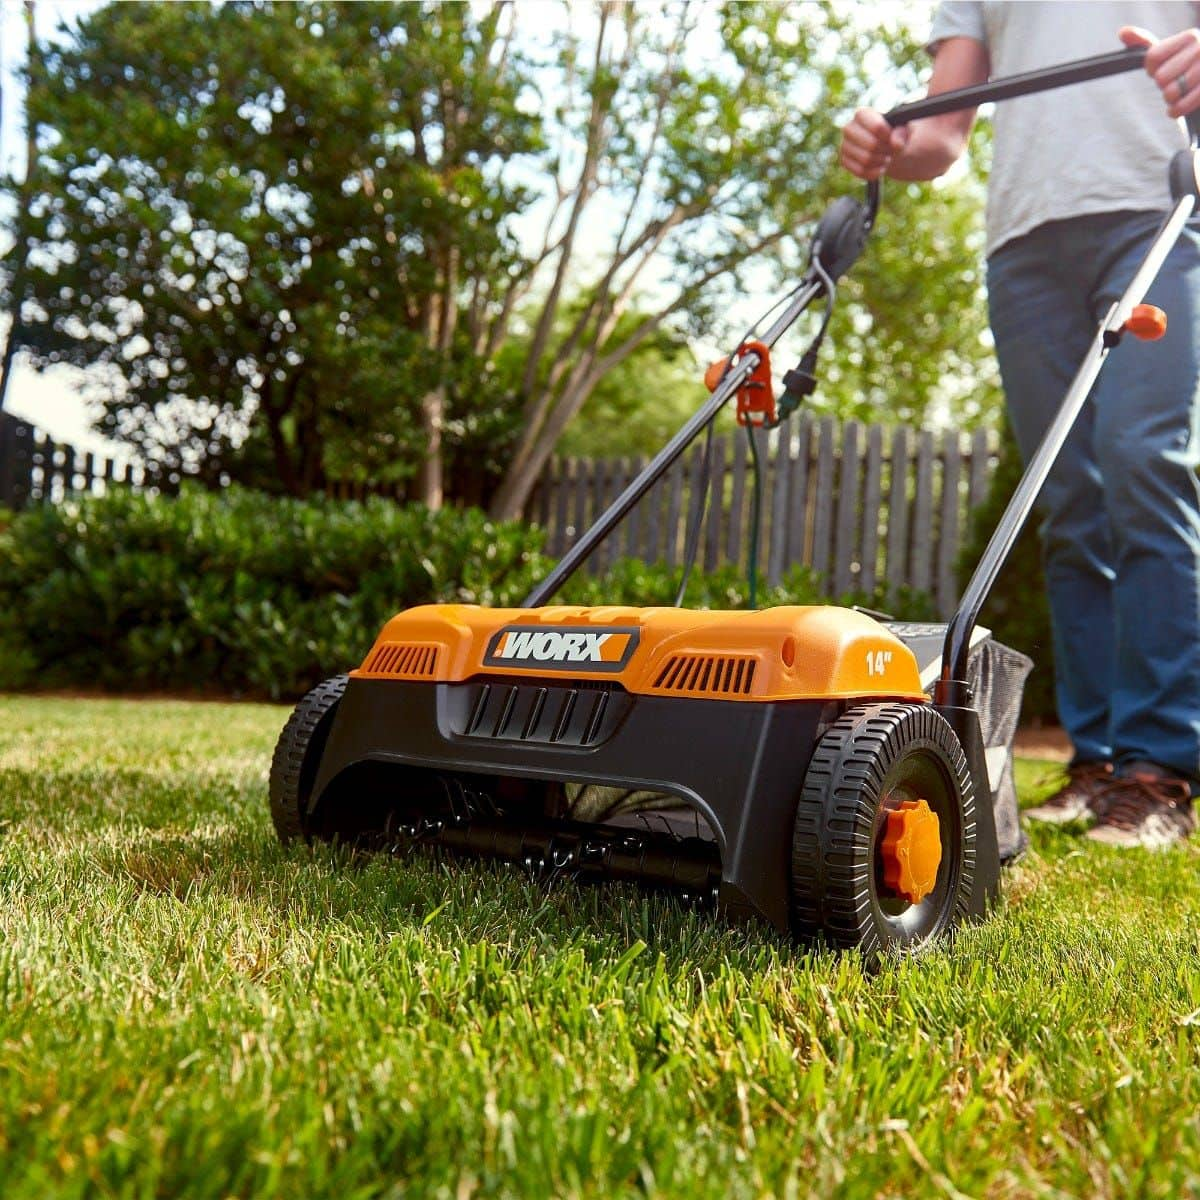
(1044, 79)
(840, 237)
(1080, 70)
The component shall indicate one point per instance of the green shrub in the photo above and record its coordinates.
(234, 592)
(1016, 612)
(239, 592)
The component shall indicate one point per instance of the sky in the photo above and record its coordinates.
(52, 399)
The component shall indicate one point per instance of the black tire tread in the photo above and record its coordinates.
(835, 815)
(302, 736)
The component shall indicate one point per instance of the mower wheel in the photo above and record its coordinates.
(298, 754)
(870, 868)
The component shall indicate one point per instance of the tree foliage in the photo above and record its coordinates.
(417, 241)
(701, 131)
(910, 340)
(257, 219)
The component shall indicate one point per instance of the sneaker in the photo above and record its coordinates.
(1081, 798)
(1145, 808)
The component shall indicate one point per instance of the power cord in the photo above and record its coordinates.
(755, 516)
(799, 383)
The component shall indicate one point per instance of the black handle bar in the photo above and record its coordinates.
(1081, 70)
(1042, 80)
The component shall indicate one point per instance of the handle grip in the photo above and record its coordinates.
(1080, 70)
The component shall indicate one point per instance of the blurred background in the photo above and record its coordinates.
(475, 257)
(296, 243)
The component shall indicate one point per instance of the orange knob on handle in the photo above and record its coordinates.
(715, 373)
(1147, 322)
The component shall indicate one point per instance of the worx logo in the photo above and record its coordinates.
(562, 648)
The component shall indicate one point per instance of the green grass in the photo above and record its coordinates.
(186, 1009)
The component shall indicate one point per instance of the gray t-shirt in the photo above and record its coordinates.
(1095, 147)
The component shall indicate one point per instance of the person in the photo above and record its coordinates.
(1077, 189)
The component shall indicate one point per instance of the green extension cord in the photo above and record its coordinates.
(755, 516)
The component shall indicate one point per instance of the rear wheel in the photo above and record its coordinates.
(297, 756)
(883, 850)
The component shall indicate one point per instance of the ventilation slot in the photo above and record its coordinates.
(404, 660)
(515, 711)
(707, 675)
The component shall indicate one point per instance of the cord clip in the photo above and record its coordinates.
(756, 396)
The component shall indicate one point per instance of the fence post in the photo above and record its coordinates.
(636, 519)
(921, 569)
(844, 546)
(897, 538)
(674, 511)
(823, 502)
(948, 528)
(981, 473)
(776, 483)
(716, 506)
(15, 464)
(799, 517)
(872, 510)
(737, 456)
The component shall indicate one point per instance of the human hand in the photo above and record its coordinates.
(1173, 63)
(869, 143)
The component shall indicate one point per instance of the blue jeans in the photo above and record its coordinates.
(1121, 509)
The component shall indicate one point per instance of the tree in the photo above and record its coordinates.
(685, 122)
(638, 405)
(716, 148)
(411, 242)
(257, 219)
(910, 340)
(19, 253)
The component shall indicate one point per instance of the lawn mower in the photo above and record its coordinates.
(834, 773)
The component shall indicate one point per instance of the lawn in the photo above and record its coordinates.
(186, 1009)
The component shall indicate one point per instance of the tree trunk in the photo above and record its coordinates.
(433, 406)
(285, 467)
(510, 498)
(433, 412)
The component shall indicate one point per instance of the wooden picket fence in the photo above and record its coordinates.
(35, 469)
(859, 505)
(862, 506)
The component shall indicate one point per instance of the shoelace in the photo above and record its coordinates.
(1131, 795)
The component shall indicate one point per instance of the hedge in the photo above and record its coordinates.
(236, 592)
(243, 593)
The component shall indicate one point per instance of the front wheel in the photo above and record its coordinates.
(883, 849)
(297, 756)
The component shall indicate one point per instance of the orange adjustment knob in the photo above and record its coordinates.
(912, 850)
(715, 373)
(1147, 322)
